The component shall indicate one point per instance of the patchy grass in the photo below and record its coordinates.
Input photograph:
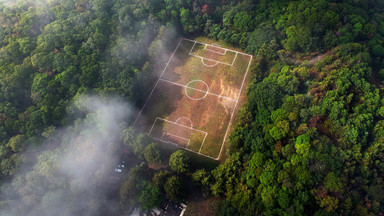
(201, 83)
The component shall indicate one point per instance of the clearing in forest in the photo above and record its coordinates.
(193, 102)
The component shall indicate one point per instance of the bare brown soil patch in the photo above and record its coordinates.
(193, 102)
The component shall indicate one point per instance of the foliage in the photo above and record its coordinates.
(153, 154)
(150, 197)
(308, 141)
(179, 162)
(174, 188)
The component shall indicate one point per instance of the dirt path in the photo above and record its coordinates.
(320, 57)
(312, 58)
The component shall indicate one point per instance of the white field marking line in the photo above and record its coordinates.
(221, 47)
(194, 129)
(202, 143)
(210, 59)
(153, 125)
(169, 134)
(157, 118)
(166, 142)
(211, 50)
(202, 58)
(234, 59)
(205, 47)
(242, 84)
(185, 118)
(202, 61)
(157, 82)
(205, 136)
(230, 120)
(190, 51)
(206, 93)
(174, 83)
(188, 143)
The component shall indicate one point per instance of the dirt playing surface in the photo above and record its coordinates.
(194, 100)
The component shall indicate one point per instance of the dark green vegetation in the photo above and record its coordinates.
(52, 53)
(310, 137)
(309, 140)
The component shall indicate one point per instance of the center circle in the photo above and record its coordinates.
(193, 92)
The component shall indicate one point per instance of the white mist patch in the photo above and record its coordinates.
(38, 3)
(72, 178)
(91, 151)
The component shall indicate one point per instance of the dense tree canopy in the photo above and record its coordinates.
(308, 141)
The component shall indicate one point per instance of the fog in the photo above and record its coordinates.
(155, 39)
(72, 171)
(75, 177)
(11, 3)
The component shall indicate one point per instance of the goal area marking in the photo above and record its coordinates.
(212, 50)
(179, 137)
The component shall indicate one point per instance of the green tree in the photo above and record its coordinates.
(179, 162)
(201, 177)
(138, 144)
(160, 177)
(243, 21)
(174, 188)
(153, 154)
(263, 34)
(225, 208)
(332, 182)
(9, 165)
(150, 197)
(269, 195)
(186, 20)
(284, 198)
(329, 203)
(16, 142)
(302, 144)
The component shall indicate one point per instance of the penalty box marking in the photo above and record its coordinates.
(194, 129)
(246, 54)
(172, 122)
(187, 149)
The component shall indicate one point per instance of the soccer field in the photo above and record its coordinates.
(193, 102)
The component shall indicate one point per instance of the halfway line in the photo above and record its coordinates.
(174, 83)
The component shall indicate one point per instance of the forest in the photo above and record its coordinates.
(308, 141)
